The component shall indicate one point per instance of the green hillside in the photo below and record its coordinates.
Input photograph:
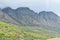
(12, 32)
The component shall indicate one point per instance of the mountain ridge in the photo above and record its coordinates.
(23, 16)
(25, 11)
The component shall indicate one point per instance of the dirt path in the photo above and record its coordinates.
(54, 39)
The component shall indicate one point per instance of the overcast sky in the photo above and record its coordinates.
(36, 5)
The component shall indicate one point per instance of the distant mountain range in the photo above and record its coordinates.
(27, 17)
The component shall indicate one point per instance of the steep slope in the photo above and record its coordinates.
(6, 18)
(27, 17)
(22, 15)
(50, 21)
(49, 18)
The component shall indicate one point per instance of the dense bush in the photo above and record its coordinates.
(12, 32)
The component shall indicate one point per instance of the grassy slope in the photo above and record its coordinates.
(12, 32)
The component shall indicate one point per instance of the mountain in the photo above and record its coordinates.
(50, 21)
(50, 18)
(6, 18)
(23, 16)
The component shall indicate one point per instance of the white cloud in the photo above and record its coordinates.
(36, 5)
(33, 4)
(21, 2)
(55, 1)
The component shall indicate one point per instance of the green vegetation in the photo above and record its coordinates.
(12, 32)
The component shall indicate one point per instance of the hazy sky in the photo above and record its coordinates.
(36, 5)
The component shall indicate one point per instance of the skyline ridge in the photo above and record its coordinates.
(27, 8)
